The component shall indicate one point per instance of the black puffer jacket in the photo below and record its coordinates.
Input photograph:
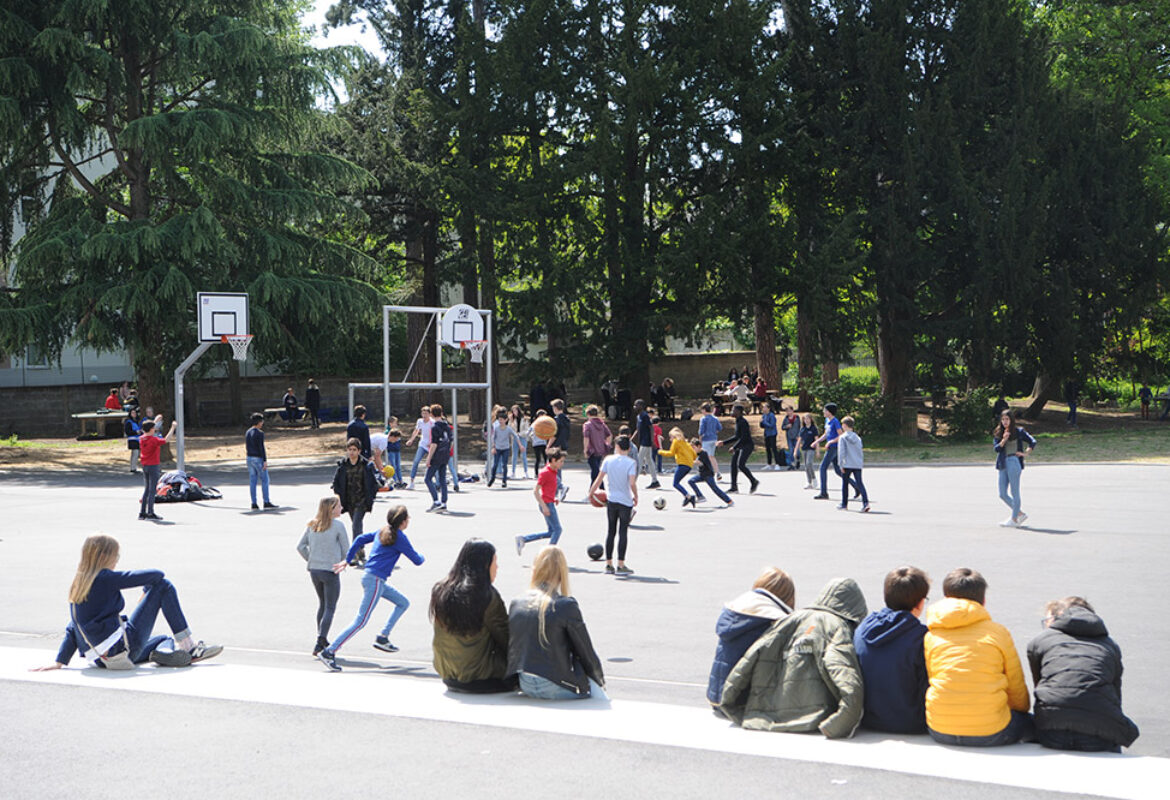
(566, 658)
(1076, 669)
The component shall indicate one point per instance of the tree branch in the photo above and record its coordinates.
(85, 183)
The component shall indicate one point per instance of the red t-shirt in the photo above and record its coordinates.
(547, 481)
(113, 403)
(148, 447)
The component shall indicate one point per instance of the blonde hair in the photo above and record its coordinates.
(550, 577)
(777, 581)
(324, 519)
(676, 433)
(97, 553)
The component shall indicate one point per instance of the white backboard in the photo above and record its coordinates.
(461, 323)
(221, 314)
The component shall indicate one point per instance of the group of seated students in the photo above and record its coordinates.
(831, 667)
(539, 645)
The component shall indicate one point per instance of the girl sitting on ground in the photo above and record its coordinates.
(744, 619)
(549, 650)
(109, 640)
(471, 624)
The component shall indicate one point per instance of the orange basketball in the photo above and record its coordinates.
(545, 427)
(598, 499)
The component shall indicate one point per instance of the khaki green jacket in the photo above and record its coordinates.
(480, 656)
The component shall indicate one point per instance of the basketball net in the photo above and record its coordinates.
(475, 348)
(239, 345)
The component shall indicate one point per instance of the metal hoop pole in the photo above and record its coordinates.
(385, 364)
(488, 380)
(180, 371)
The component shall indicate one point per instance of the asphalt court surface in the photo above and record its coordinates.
(1094, 530)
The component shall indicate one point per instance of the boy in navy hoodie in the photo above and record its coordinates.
(889, 648)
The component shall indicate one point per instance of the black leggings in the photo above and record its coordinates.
(739, 459)
(770, 450)
(619, 525)
(538, 455)
(328, 588)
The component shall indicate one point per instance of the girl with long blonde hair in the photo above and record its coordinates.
(322, 545)
(549, 648)
(109, 640)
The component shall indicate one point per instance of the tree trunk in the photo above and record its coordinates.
(893, 355)
(1042, 391)
(765, 326)
(805, 360)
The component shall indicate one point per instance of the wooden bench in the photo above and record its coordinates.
(276, 411)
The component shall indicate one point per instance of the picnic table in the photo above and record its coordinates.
(276, 411)
(107, 414)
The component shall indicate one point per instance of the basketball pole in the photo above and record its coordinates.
(180, 371)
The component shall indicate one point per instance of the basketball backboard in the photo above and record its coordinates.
(461, 323)
(221, 314)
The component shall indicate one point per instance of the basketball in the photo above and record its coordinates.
(660, 503)
(598, 499)
(595, 551)
(388, 470)
(545, 427)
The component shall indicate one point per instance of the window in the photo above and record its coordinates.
(36, 358)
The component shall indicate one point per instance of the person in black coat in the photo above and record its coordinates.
(313, 403)
(741, 448)
(1076, 669)
(357, 429)
(356, 483)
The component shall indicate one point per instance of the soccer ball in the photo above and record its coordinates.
(660, 503)
(595, 551)
(388, 470)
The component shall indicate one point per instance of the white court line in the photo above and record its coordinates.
(1024, 766)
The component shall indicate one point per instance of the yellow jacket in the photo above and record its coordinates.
(681, 451)
(975, 674)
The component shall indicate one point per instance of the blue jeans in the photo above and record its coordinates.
(518, 450)
(543, 689)
(1019, 729)
(356, 515)
(554, 527)
(830, 459)
(1010, 475)
(499, 464)
(140, 624)
(373, 589)
(710, 481)
(394, 459)
(150, 478)
(256, 472)
(680, 472)
(793, 458)
(419, 456)
(435, 484)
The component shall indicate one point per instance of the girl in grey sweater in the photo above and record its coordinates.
(323, 545)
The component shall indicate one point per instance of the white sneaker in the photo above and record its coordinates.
(520, 545)
(1010, 522)
(410, 486)
(1021, 519)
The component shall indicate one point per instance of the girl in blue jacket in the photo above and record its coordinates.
(389, 545)
(1012, 445)
(98, 630)
(744, 619)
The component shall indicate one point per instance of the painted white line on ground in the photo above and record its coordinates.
(1024, 766)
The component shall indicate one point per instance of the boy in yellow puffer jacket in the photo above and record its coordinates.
(977, 695)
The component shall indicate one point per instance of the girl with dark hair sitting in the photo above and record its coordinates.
(471, 624)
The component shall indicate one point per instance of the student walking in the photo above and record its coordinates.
(132, 430)
(597, 439)
(852, 459)
(421, 433)
(538, 444)
(706, 475)
(390, 543)
(358, 429)
(313, 403)
(620, 473)
(1012, 445)
(257, 458)
(709, 429)
(808, 449)
(547, 498)
(502, 440)
(438, 458)
(645, 440)
(355, 481)
(98, 631)
(791, 428)
(322, 545)
(684, 459)
(741, 449)
(768, 427)
(519, 423)
(830, 436)
(149, 445)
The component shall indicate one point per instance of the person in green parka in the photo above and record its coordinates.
(471, 624)
(803, 675)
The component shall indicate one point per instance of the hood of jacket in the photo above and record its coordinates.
(843, 597)
(886, 626)
(750, 613)
(1079, 621)
(955, 612)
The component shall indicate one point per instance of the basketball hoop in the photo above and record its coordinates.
(239, 345)
(475, 348)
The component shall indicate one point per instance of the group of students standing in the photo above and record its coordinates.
(832, 667)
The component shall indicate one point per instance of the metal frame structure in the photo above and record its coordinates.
(386, 385)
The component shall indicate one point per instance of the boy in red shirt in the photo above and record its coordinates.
(149, 444)
(546, 497)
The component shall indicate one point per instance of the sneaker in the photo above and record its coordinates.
(609, 570)
(654, 485)
(1021, 519)
(729, 504)
(410, 486)
(503, 484)
(687, 501)
(142, 516)
(271, 505)
(317, 648)
(154, 516)
(622, 569)
(255, 507)
(490, 481)
(699, 499)
(171, 658)
(733, 490)
(1010, 522)
(520, 545)
(865, 509)
(441, 507)
(434, 507)
(328, 659)
(842, 508)
(202, 652)
(755, 486)
(383, 644)
(820, 497)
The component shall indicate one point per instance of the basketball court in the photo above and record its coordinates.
(265, 718)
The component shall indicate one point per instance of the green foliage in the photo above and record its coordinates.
(970, 417)
(876, 414)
